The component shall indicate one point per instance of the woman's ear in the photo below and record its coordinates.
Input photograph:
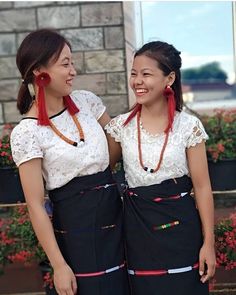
(36, 72)
(171, 78)
(39, 70)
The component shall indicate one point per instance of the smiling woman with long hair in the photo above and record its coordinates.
(164, 157)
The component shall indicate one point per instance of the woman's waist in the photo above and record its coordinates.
(171, 187)
(84, 183)
(137, 177)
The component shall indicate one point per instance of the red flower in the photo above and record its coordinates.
(48, 280)
(221, 129)
(6, 159)
(220, 147)
(215, 155)
(225, 233)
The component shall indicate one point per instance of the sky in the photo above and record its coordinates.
(201, 30)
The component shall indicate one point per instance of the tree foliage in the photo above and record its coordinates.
(207, 73)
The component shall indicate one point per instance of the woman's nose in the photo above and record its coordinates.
(138, 80)
(73, 71)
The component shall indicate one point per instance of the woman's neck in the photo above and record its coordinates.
(54, 105)
(155, 110)
(154, 117)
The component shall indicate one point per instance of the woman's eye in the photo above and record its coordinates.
(132, 74)
(146, 74)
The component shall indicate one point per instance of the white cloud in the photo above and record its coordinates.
(194, 12)
(196, 60)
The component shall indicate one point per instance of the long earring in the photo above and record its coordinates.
(41, 81)
(136, 108)
(170, 95)
(70, 105)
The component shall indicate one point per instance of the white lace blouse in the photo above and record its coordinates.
(62, 161)
(187, 131)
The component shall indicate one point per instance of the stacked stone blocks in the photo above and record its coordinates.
(96, 32)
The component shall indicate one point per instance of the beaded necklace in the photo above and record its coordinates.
(63, 137)
(140, 149)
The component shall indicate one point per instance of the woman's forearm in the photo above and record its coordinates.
(205, 206)
(45, 234)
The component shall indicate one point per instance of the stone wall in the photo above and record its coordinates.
(133, 37)
(96, 31)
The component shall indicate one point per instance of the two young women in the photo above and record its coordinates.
(61, 142)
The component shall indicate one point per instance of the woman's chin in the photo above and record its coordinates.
(141, 99)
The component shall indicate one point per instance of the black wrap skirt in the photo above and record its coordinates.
(163, 238)
(87, 221)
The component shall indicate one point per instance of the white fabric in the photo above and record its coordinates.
(187, 131)
(62, 161)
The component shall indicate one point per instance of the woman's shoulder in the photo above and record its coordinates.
(116, 126)
(26, 124)
(120, 119)
(81, 93)
(186, 117)
(25, 141)
(88, 101)
(82, 96)
(192, 128)
(25, 130)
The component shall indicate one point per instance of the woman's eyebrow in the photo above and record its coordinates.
(65, 59)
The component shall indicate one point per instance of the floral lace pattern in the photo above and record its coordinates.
(62, 161)
(187, 131)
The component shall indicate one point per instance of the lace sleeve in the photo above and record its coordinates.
(93, 102)
(114, 128)
(198, 133)
(24, 145)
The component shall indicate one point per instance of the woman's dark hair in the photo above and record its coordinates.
(37, 49)
(168, 60)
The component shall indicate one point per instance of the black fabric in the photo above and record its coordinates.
(177, 246)
(88, 228)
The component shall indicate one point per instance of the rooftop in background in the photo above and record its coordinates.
(207, 107)
(206, 96)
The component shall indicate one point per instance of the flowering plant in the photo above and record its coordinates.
(18, 242)
(225, 236)
(6, 159)
(221, 129)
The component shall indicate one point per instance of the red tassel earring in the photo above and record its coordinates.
(41, 81)
(137, 108)
(70, 105)
(170, 95)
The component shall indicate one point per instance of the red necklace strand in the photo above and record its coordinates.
(140, 149)
(63, 137)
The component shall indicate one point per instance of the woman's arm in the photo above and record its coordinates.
(32, 183)
(114, 147)
(197, 162)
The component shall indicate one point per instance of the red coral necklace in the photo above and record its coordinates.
(63, 137)
(140, 149)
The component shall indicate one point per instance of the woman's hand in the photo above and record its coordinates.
(64, 280)
(207, 262)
